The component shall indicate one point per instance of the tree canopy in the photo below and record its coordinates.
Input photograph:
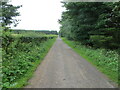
(94, 23)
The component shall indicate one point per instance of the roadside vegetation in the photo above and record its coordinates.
(21, 54)
(92, 29)
(21, 51)
(105, 60)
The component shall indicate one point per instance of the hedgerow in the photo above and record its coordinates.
(19, 54)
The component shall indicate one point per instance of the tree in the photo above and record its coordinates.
(94, 23)
(8, 12)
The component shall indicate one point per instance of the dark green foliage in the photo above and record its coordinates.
(95, 27)
(94, 24)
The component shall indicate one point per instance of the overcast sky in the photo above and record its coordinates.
(39, 14)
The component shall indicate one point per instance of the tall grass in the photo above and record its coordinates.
(105, 60)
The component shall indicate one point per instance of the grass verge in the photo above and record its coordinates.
(104, 60)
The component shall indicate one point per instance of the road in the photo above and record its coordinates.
(63, 68)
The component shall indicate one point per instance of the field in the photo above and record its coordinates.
(105, 60)
(21, 54)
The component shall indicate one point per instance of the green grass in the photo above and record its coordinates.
(24, 80)
(105, 61)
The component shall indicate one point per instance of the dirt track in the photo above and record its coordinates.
(63, 68)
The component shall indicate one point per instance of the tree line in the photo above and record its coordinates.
(95, 24)
(18, 31)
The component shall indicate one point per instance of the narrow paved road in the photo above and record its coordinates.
(63, 68)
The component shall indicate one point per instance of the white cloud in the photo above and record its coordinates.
(39, 14)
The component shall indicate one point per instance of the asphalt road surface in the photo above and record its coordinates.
(63, 68)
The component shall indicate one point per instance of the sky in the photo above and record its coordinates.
(39, 14)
